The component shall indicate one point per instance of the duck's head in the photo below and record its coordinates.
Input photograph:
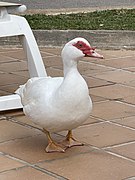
(79, 48)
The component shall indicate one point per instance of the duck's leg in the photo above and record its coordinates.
(71, 141)
(53, 146)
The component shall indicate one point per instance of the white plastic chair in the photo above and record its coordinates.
(13, 25)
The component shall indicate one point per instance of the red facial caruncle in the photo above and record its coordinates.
(87, 50)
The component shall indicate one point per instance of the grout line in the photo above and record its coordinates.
(3, 118)
(121, 57)
(120, 156)
(109, 68)
(48, 53)
(101, 121)
(92, 124)
(3, 53)
(23, 124)
(121, 125)
(104, 85)
(98, 102)
(113, 154)
(114, 83)
(14, 139)
(127, 102)
(59, 177)
(45, 57)
(1, 153)
(93, 148)
(12, 169)
(119, 145)
(132, 105)
(115, 100)
(114, 123)
(98, 118)
(129, 178)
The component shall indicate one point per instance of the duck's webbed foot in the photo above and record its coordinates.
(53, 146)
(71, 141)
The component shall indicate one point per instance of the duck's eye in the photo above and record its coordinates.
(80, 45)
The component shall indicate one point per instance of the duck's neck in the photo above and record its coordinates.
(69, 67)
(72, 79)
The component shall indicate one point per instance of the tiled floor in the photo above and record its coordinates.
(109, 133)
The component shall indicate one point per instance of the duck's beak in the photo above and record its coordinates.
(92, 53)
(96, 55)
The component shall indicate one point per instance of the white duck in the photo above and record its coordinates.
(60, 103)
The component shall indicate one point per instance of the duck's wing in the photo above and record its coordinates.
(23, 88)
(38, 87)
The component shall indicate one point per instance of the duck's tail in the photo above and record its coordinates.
(19, 91)
(22, 88)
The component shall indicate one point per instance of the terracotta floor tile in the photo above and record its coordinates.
(118, 53)
(23, 119)
(130, 178)
(23, 73)
(5, 49)
(53, 62)
(107, 54)
(131, 69)
(26, 173)
(96, 98)
(11, 88)
(110, 110)
(91, 68)
(53, 72)
(95, 82)
(9, 131)
(115, 91)
(91, 120)
(117, 76)
(130, 99)
(17, 53)
(131, 82)
(92, 166)
(103, 134)
(126, 150)
(46, 54)
(129, 121)
(32, 149)
(13, 66)
(121, 62)
(3, 93)
(53, 50)
(7, 163)
(5, 59)
(7, 79)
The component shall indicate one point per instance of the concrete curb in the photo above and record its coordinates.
(74, 10)
(99, 38)
(102, 39)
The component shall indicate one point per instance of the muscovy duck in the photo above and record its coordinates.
(60, 103)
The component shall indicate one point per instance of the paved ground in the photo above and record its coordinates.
(109, 133)
(58, 6)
